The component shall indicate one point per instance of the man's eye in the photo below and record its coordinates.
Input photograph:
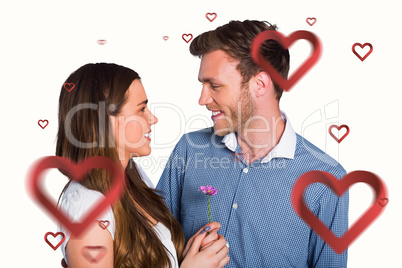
(143, 109)
(214, 87)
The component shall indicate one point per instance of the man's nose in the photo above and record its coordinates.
(205, 97)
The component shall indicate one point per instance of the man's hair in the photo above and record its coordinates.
(235, 39)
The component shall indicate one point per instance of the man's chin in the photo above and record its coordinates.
(221, 131)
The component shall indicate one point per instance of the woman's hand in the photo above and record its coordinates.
(206, 248)
(212, 229)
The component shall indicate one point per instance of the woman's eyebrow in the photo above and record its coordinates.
(143, 102)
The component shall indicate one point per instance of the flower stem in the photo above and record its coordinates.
(209, 210)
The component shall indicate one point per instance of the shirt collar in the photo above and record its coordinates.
(284, 149)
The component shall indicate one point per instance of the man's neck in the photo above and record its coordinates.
(260, 137)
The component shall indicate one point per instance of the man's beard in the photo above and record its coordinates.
(237, 119)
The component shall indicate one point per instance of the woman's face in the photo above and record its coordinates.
(132, 126)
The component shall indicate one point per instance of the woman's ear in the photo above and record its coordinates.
(263, 84)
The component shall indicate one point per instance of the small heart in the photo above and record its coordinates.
(211, 16)
(187, 37)
(104, 224)
(383, 201)
(165, 38)
(362, 46)
(54, 235)
(101, 42)
(43, 123)
(311, 21)
(69, 86)
(338, 128)
(93, 253)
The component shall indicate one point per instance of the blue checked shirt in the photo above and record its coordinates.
(253, 203)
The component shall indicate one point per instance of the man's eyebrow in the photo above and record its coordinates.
(143, 102)
(208, 80)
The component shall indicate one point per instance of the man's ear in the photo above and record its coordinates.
(263, 84)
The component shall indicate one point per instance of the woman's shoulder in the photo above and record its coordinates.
(77, 201)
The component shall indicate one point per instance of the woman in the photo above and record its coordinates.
(106, 114)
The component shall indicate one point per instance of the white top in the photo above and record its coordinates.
(77, 200)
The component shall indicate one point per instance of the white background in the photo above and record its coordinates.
(42, 42)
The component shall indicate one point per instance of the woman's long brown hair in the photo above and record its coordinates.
(84, 131)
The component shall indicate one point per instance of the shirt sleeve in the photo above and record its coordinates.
(171, 181)
(333, 212)
(76, 202)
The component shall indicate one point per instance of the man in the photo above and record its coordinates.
(253, 157)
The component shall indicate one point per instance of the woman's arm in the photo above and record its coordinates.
(93, 249)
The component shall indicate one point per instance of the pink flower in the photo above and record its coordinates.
(209, 190)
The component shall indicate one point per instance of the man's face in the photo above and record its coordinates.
(230, 104)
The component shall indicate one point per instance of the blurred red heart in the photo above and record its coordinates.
(76, 172)
(311, 21)
(285, 42)
(101, 42)
(339, 187)
(93, 253)
(211, 16)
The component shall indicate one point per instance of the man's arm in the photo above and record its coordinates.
(333, 212)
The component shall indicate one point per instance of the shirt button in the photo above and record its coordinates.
(245, 170)
(235, 206)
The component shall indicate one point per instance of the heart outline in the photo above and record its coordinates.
(76, 173)
(258, 58)
(339, 187)
(185, 35)
(47, 123)
(362, 46)
(101, 42)
(338, 128)
(67, 85)
(308, 21)
(103, 225)
(211, 14)
(54, 235)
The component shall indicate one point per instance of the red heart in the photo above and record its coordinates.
(101, 42)
(383, 201)
(69, 86)
(314, 20)
(187, 37)
(258, 58)
(211, 16)
(93, 253)
(43, 123)
(165, 38)
(362, 46)
(76, 173)
(339, 187)
(104, 224)
(54, 235)
(344, 135)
